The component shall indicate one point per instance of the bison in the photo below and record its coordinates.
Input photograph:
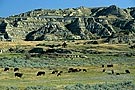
(6, 69)
(16, 69)
(70, 70)
(103, 70)
(110, 65)
(80, 70)
(40, 73)
(127, 71)
(103, 66)
(117, 73)
(75, 70)
(18, 75)
(112, 71)
(84, 70)
(54, 72)
(59, 74)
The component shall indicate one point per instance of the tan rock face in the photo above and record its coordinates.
(71, 23)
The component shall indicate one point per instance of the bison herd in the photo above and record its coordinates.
(76, 70)
(17, 74)
(109, 69)
(105, 68)
(42, 73)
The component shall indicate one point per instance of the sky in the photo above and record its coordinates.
(14, 7)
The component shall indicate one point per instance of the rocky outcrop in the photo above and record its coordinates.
(3, 33)
(114, 11)
(70, 24)
(50, 31)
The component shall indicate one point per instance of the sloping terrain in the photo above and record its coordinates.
(112, 23)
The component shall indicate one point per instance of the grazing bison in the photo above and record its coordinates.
(6, 69)
(112, 71)
(59, 74)
(110, 65)
(127, 71)
(80, 70)
(70, 70)
(103, 70)
(117, 73)
(54, 72)
(16, 69)
(75, 70)
(40, 73)
(103, 66)
(84, 70)
(18, 75)
(64, 45)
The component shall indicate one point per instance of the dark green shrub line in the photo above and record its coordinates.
(127, 85)
(119, 86)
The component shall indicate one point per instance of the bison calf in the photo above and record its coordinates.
(127, 71)
(18, 75)
(40, 73)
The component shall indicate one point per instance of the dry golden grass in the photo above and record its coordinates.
(94, 75)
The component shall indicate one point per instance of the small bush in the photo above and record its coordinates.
(38, 88)
(12, 88)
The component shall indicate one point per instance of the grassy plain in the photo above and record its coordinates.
(97, 54)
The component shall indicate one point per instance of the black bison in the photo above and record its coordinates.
(127, 71)
(64, 45)
(110, 65)
(70, 70)
(112, 71)
(59, 74)
(75, 70)
(54, 72)
(117, 73)
(103, 70)
(80, 70)
(84, 70)
(6, 69)
(18, 75)
(40, 73)
(16, 69)
(103, 66)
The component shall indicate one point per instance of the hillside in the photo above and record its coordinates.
(113, 24)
